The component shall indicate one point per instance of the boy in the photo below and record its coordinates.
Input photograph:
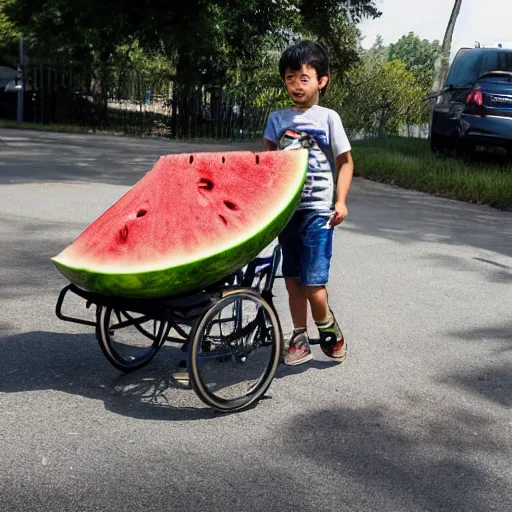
(307, 240)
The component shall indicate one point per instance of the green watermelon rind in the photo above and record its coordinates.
(180, 279)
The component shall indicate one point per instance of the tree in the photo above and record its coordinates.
(333, 23)
(212, 46)
(419, 56)
(379, 96)
(9, 37)
(442, 62)
(377, 55)
(205, 38)
(135, 70)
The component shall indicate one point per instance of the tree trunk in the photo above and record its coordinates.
(442, 62)
(216, 109)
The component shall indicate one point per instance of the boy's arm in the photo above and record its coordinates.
(270, 145)
(270, 135)
(344, 173)
(344, 167)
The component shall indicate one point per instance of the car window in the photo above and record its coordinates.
(496, 61)
(504, 61)
(468, 66)
(465, 68)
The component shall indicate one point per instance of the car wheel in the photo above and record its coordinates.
(438, 144)
(466, 150)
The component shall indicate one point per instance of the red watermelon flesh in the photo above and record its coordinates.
(192, 220)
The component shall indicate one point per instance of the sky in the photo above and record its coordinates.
(487, 21)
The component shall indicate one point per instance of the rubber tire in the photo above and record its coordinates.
(103, 315)
(439, 145)
(466, 150)
(197, 333)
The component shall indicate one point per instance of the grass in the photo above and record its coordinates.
(120, 129)
(69, 128)
(46, 127)
(409, 163)
(405, 162)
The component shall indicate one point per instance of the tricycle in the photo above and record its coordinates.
(230, 332)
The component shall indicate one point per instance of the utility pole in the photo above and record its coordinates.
(20, 85)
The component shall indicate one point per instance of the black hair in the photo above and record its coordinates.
(305, 52)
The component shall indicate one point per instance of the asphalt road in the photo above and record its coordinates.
(418, 419)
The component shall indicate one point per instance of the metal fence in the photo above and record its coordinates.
(145, 105)
(71, 97)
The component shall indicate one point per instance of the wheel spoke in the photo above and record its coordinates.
(233, 363)
(134, 343)
(122, 324)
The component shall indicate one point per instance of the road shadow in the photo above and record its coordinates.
(26, 266)
(404, 458)
(492, 271)
(492, 379)
(501, 333)
(409, 217)
(365, 459)
(74, 363)
(119, 160)
(406, 462)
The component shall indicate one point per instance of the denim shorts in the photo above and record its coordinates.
(306, 245)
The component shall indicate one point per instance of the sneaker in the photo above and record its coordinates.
(299, 350)
(287, 340)
(332, 342)
(286, 347)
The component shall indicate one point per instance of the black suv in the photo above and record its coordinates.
(475, 106)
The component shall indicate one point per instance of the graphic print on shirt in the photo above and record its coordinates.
(319, 181)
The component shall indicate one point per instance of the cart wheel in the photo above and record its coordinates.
(235, 351)
(129, 340)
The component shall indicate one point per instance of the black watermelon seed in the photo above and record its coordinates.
(231, 205)
(205, 184)
(123, 232)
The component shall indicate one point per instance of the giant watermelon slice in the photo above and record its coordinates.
(191, 221)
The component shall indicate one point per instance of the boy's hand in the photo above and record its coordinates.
(339, 215)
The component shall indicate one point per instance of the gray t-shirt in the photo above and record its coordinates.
(331, 141)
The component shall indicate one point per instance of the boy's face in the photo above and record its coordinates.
(303, 85)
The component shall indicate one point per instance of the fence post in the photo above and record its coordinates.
(21, 85)
(41, 91)
(241, 130)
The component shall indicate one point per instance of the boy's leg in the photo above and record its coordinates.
(332, 341)
(317, 297)
(298, 303)
(289, 240)
(297, 350)
(314, 274)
